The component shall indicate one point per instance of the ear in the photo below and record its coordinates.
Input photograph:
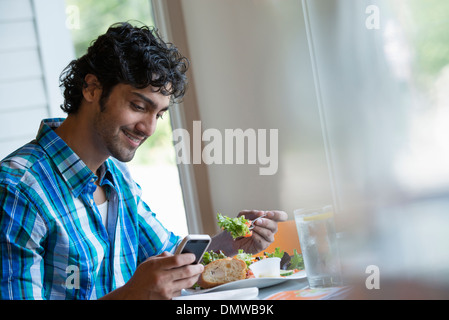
(92, 88)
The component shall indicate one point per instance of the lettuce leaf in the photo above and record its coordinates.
(287, 262)
(237, 227)
(276, 254)
(247, 257)
(210, 256)
(296, 262)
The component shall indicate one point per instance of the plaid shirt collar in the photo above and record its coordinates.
(75, 172)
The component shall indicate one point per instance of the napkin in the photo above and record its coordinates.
(236, 294)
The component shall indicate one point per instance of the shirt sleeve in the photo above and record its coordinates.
(22, 231)
(154, 238)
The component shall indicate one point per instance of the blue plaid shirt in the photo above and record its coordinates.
(53, 243)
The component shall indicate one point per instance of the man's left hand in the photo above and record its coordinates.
(263, 232)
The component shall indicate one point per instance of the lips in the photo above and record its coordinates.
(134, 140)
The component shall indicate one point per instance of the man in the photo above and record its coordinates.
(72, 221)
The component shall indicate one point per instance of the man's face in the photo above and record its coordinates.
(128, 117)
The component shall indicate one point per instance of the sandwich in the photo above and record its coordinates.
(222, 271)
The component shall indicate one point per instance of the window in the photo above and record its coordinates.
(153, 167)
(386, 79)
(381, 70)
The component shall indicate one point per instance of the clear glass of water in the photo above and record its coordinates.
(318, 240)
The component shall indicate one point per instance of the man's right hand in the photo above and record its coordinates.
(160, 277)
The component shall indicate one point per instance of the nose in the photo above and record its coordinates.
(147, 126)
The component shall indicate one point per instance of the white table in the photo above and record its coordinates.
(288, 285)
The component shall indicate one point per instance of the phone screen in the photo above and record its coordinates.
(196, 247)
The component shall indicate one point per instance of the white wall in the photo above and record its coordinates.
(35, 46)
(251, 69)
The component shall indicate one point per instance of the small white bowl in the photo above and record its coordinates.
(267, 268)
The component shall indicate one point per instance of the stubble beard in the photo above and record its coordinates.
(110, 136)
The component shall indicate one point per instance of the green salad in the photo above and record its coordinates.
(289, 264)
(237, 227)
(295, 261)
(210, 256)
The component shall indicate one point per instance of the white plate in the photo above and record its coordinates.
(237, 294)
(248, 283)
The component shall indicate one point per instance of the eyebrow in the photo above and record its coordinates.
(148, 100)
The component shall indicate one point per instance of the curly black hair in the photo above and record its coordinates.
(129, 55)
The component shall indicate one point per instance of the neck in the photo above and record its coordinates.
(77, 133)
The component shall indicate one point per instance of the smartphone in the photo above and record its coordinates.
(196, 244)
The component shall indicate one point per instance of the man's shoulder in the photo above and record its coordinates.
(20, 162)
